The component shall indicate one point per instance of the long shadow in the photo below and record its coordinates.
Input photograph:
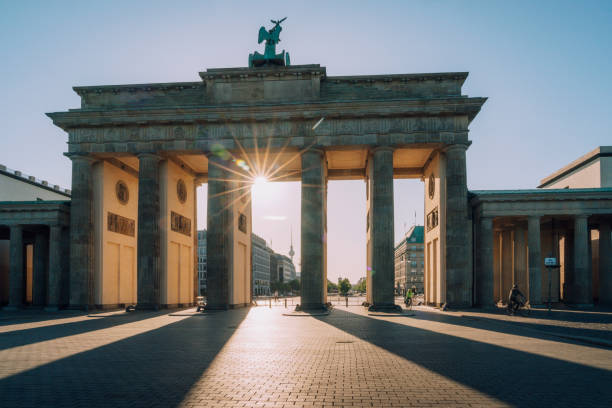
(509, 326)
(597, 315)
(152, 369)
(38, 334)
(515, 377)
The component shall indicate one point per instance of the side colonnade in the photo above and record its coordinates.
(516, 231)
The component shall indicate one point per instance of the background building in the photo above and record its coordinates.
(410, 261)
(286, 269)
(202, 262)
(593, 170)
(261, 266)
(34, 217)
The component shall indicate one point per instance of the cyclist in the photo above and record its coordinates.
(408, 299)
(516, 299)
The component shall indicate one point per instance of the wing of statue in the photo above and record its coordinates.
(263, 35)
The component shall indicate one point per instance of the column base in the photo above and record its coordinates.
(581, 305)
(11, 308)
(51, 309)
(490, 306)
(311, 307)
(385, 307)
(216, 307)
(147, 306)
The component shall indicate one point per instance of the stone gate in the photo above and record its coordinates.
(139, 151)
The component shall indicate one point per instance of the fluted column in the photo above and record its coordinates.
(605, 264)
(148, 232)
(535, 260)
(520, 258)
(381, 243)
(314, 229)
(39, 278)
(81, 232)
(583, 279)
(16, 278)
(458, 246)
(507, 263)
(484, 255)
(55, 267)
(219, 235)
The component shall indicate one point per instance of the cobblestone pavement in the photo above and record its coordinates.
(258, 357)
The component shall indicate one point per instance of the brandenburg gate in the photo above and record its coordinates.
(139, 151)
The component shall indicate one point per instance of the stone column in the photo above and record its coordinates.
(16, 277)
(196, 282)
(485, 278)
(507, 264)
(605, 264)
(535, 260)
(381, 246)
(458, 245)
(314, 230)
(148, 293)
(81, 232)
(497, 269)
(219, 236)
(39, 278)
(520, 259)
(583, 286)
(55, 268)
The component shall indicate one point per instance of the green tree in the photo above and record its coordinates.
(344, 286)
(331, 286)
(294, 285)
(360, 286)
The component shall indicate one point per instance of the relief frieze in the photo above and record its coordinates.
(180, 224)
(121, 225)
(228, 130)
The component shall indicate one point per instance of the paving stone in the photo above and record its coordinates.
(260, 358)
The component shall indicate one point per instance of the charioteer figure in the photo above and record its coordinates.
(270, 57)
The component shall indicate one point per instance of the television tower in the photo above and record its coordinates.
(291, 251)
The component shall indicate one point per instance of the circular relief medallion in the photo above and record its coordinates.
(181, 191)
(122, 192)
(432, 186)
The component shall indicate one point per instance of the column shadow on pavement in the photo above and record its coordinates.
(511, 326)
(515, 377)
(153, 369)
(38, 334)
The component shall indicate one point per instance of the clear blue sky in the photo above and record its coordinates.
(545, 65)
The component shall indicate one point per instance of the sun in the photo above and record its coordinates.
(260, 180)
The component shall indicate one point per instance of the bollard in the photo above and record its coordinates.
(270, 303)
(346, 301)
(285, 303)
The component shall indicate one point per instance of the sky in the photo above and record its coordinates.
(545, 67)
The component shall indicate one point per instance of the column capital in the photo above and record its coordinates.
(456, 146)
(384, 148)
(82, 157)
(486, 219)
(534, 217)
(150, 155)
(318, 150)
(581, 216)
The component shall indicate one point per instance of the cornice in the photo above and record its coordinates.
(116, 89)
(478, 197)
(266, 112)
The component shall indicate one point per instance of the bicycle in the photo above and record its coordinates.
(520, 305)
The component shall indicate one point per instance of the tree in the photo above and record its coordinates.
(360, 286)
(344, 286)
(294, 285)
(331, 286)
